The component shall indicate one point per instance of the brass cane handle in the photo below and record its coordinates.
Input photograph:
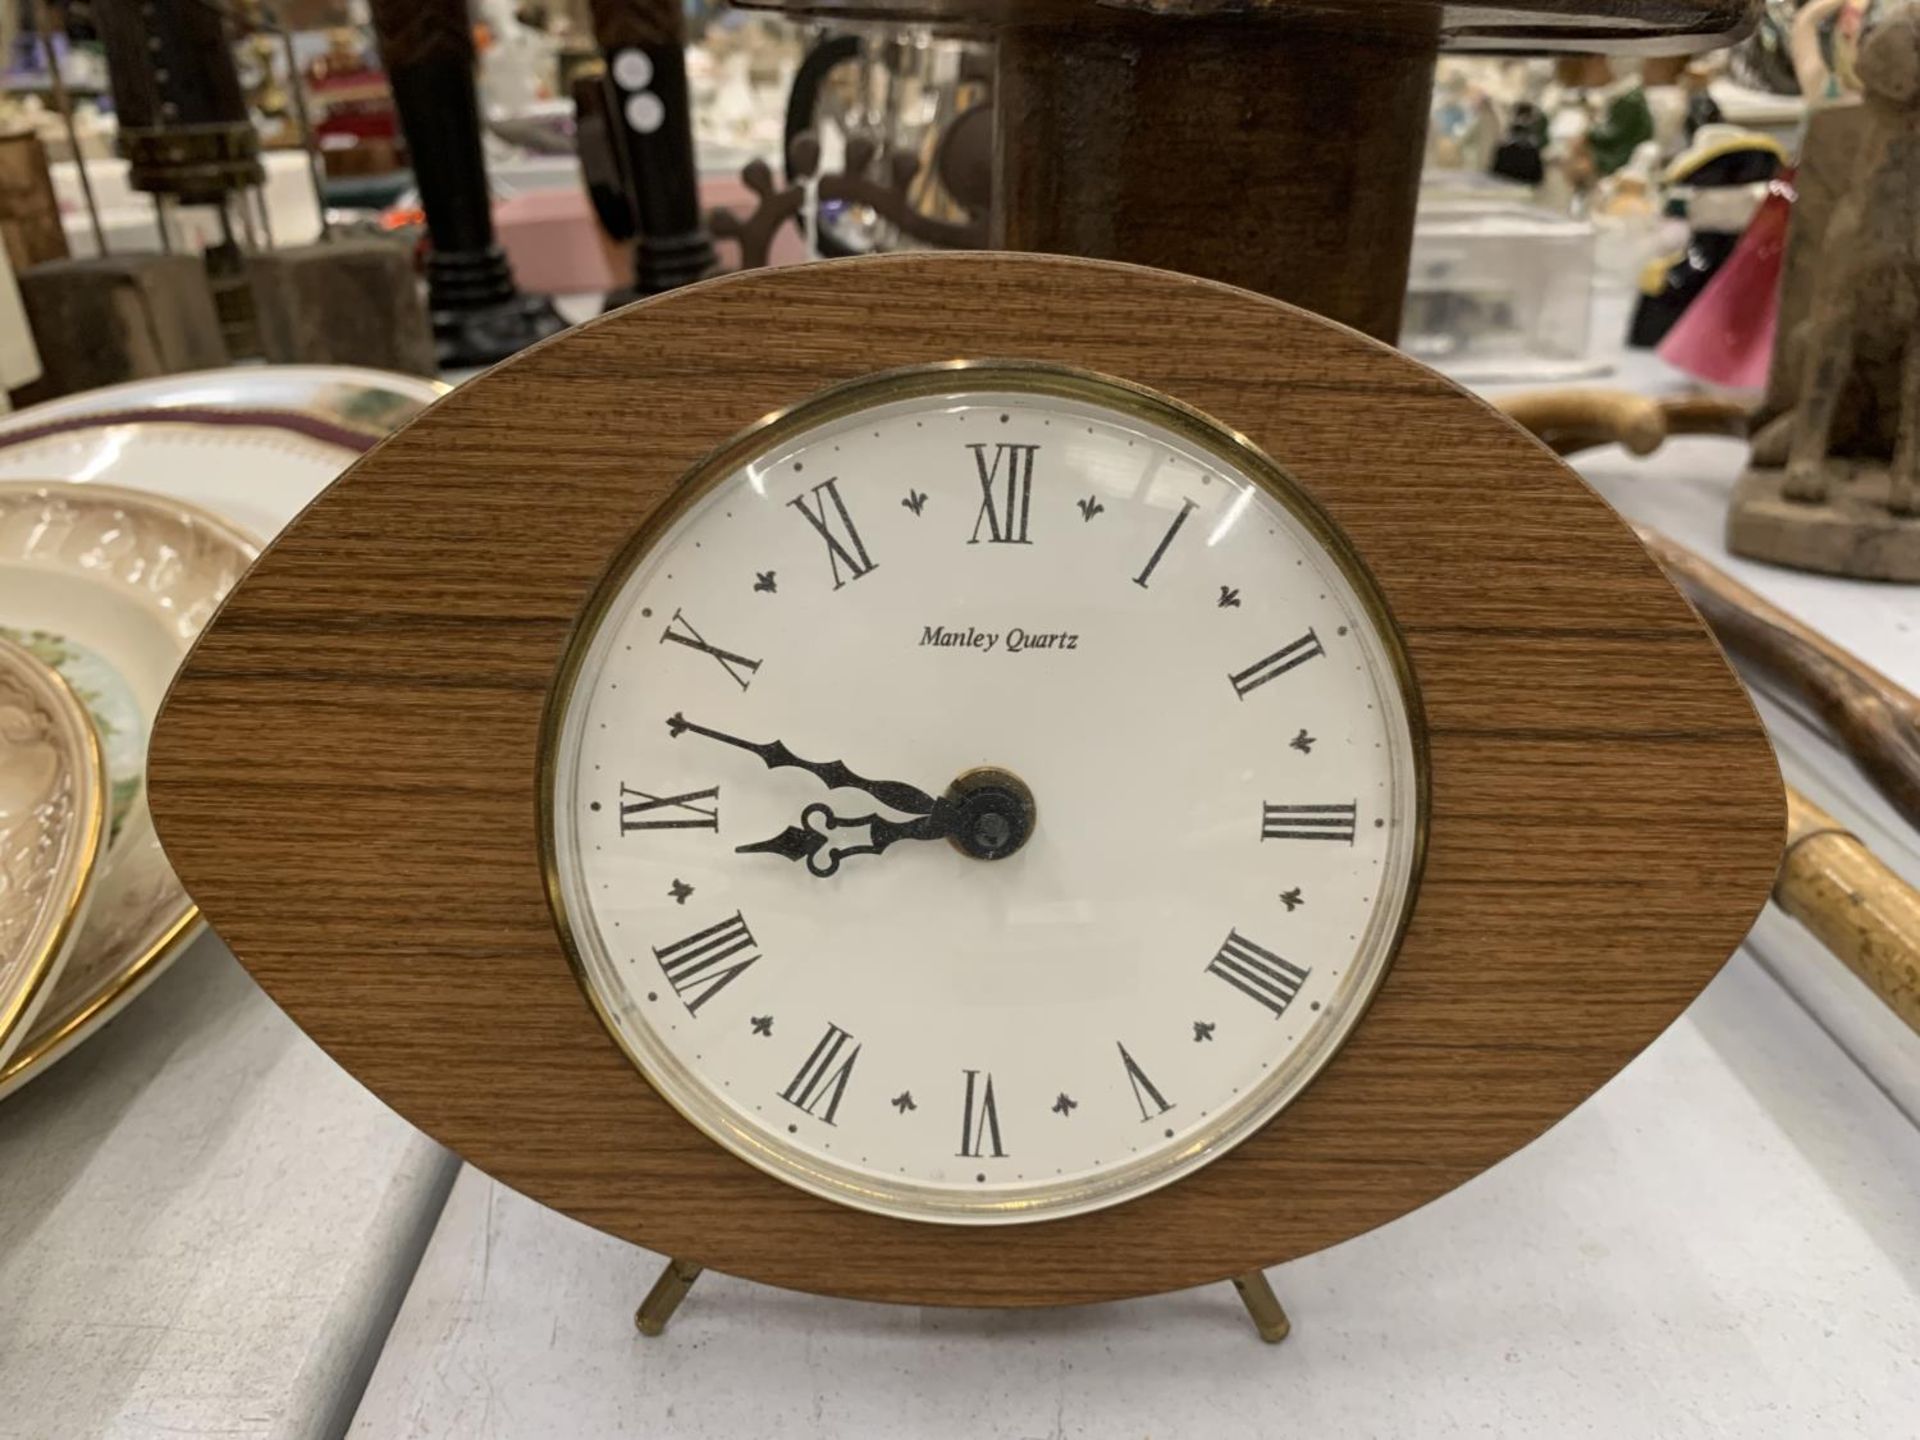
(1853, 904)
(1571, 419)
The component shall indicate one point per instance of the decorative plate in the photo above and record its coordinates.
(253, 443)
(113, 586)
(52, 831)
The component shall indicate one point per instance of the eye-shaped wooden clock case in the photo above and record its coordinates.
(345, 773)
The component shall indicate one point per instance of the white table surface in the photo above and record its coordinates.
(1725, 1242)
(206, 1228)
(205, 1224)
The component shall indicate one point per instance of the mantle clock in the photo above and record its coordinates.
(969, 779)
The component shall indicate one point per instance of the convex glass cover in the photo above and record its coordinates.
(984, 794)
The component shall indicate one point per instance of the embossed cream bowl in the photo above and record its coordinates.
(111, 587)
(53, 808)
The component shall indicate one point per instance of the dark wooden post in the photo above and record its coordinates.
(479, 315)
(1274, 144)
(184, 130)
(650, 123)
(1261, 152)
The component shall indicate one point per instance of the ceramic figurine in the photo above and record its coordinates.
(1463, 131)
(1867, 302)
(1520, 152)
(1663, 81)
(1728, 334)
(1825, 46)
(1622, 120)
(1716, 184)
(1702, 108)
(1835, 481)
(1764, 60)
(1599, 121)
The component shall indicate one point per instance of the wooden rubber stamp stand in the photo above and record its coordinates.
(1265, 144)
(650, 123)
(479, 315)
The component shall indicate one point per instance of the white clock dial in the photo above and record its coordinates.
(984, 794)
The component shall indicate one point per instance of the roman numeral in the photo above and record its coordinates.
(1186, 509)
(677, 812)
(1144, 1090)
(1258, 972)
(697, 966)
(823, 1079)
(1307, 822)
(1276, 664)
(836, 528)
(980, 1119)
(1006, 521)
(680, 630)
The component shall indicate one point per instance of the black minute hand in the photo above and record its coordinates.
(896, 794)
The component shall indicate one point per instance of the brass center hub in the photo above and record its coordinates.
(997, 813)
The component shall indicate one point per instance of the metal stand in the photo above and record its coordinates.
(678, 1277)
(1263, 1306)
(665, 1296)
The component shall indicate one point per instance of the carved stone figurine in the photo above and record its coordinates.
(1866, 300)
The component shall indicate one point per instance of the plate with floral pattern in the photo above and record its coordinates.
(109, 587)
(254, 443)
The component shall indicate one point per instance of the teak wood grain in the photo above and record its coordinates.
(344, 774)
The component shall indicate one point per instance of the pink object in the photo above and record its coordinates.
(1726, 335)
(555, 244)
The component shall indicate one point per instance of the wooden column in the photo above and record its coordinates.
(1265, 153)
(182, 125)
(479, 315)
(650, 120)
(30, 225)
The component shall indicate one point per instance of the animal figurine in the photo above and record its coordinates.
(1866, 301)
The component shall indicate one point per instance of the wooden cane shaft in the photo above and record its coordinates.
(1854, 905)
(1876, 719)
(1706, 415)
(1568, 419)
(1830, 882)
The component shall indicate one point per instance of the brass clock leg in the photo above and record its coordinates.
(667, 1293)
(1263, 1305)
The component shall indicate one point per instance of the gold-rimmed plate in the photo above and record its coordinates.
(111, 586)
(53, 821)
(254, 443)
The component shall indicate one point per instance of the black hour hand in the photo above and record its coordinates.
(812, 841)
